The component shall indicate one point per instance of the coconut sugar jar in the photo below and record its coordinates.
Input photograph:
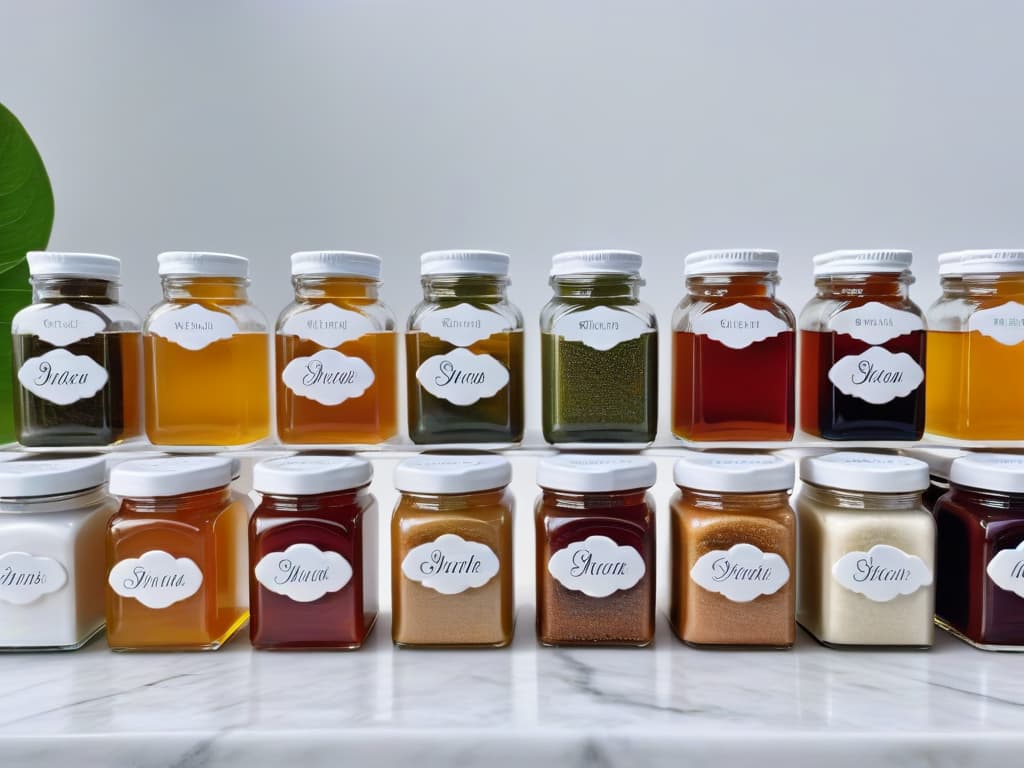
(595, 539)
(866, 551)
(451, 552)
(733, 551)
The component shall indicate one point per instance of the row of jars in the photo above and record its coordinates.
(183, 559)
(203, 352)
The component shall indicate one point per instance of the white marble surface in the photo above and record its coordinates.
(667, 705)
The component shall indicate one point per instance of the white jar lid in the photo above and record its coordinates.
(51, 477)
(949, 264)
(991, 261)
(1002, 472)
(867, 261)
(734, 472)
(170, 477)
(939, 460)
(307, 475)
(731, 261)
(596, 263)
(97, 266)
(589, 473)
(203, 264)
(342, 263)
(465, 262)
(443, 474)
(866, 472)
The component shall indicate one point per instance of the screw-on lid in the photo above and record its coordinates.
(306, 475)
(1002, 472)
(731, 261)
(51, 477)
(443, 474)
(949, 264)
(734, 472)
(860, 262)
(466, 262)
(991, 261)
(595, 474)
(169, 477)
(865, 472)
(342, 263)
(939, 460)
(97, 266)
(203, 264)
(596, 263)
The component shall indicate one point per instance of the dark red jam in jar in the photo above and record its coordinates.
(313, 553)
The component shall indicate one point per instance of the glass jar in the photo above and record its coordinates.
(464, 352)
(980, 589)
(176, 554)
(976, 346)
(599, 351)
(729, 333)
(595, 550)
(77, 355)
(862, 343)
(207, 359)
(939, 461)
(451, 552)
(313, 553)
(733, 551)
(337, 353)
(866, 551)
(53, 515)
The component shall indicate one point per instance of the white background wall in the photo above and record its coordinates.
(531, 126)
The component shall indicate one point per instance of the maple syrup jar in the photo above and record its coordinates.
(862, 343)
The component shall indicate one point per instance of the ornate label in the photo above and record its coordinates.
(462, 378)
(1006, 569)
(61, 377)
(738, 326)
(303, 572)
(741, 574)
(157, 579)
(463, 324)
(600, 328)
(194, 327)
(877, 375)
(450, 564)
(882, 574)
(1004, 323)
(328, 377)
(875, 323)
(24, 578)
(58, 324)
(328, 325)
(597, 566)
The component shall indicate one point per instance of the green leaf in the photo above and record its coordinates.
(26, 201)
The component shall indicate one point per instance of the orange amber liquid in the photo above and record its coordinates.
(370, 418)
(209, 528)
(217, 395)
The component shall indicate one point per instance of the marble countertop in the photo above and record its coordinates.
(667, 705)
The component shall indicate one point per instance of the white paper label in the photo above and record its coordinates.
(463, 324)
(328, 325)
(328, 377)
(450, 564)
(1006, 569)
(741, 574)
(1004, 323)
(194, 327)
(462, 378)
(600, 328)
(157, 579)
(882, 574)
(738, 326)
(597, 566)
(303, 572)
(58, 324)
(875, 323)
(61, 377)
(877, 375)
(24, 578)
